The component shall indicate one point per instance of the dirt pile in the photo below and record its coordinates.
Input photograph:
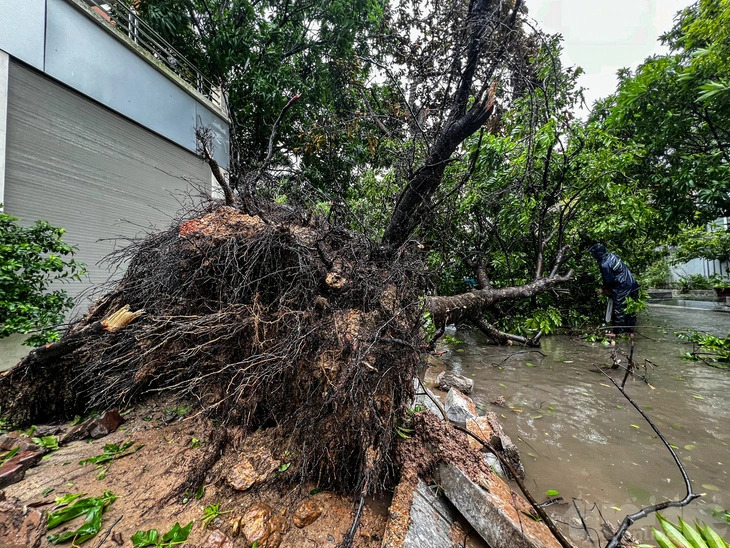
(147, 484)
(280, 322)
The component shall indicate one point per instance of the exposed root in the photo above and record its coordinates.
(246, 318)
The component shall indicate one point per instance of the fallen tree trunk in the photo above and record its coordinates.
(470, 306)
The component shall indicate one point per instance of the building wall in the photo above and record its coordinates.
(22, 30)
(89, 170)
(73, 44)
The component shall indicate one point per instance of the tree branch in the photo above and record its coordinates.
(470, 305)
(615, 542)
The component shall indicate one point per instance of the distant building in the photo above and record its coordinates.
(97, 123)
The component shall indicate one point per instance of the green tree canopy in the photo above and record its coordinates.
(675, 108)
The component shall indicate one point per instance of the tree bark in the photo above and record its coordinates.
(412, 206)
(502, 338)
(470, 305)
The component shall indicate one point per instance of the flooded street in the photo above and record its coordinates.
(578, 435)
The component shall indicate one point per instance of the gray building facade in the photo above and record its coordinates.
(97, 128)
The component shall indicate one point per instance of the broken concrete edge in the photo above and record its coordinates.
(399, 512)
(447, 380)
(418, 516)
(461, 410)
(498, 514)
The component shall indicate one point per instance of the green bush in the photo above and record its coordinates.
(657, 275)
(695, 281)
(31, 258)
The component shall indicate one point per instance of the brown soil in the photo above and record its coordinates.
(148, 484)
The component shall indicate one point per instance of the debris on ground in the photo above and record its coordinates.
(20, 525)
(94, 427)
(447, 380)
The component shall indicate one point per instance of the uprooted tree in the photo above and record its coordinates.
(270, 316)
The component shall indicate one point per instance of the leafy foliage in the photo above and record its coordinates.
(675, 108)
(712, 350)
(712, 244)
(656, 275)
(213, 511)
(112, 452)
(176, 535)
(702, 536)
(92, 507)
(9, 455)
(47, 442)
(266, 52)
(31, 258)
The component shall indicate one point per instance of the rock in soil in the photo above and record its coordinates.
(217, 539)
(257, 525)
(21, 526)
(95, 428)
(16, 439)
(447, 380)
(13, 470)
(251, 470)
(459, 408)
(10, 474)
(307, 513)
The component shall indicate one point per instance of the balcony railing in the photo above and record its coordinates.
(125, 20)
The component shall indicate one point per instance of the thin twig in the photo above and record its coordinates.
(582, 521)
(615, 542)
(108, 532)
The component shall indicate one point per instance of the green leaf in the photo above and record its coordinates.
(92, 507)
(177, 535)
(552, 493)
(145, 538)
(47, 442)
(9, 455)
(284, 467)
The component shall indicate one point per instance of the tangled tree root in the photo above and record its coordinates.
(294, 324)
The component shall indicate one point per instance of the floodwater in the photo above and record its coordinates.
(579, 436)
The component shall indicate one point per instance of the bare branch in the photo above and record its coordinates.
(630, 519)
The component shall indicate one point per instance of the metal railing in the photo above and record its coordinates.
(125, 20)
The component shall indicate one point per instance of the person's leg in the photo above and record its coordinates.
(619, 307)
(631, 319)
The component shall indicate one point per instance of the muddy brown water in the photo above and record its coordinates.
(579, 436)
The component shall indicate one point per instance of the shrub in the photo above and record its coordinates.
(31, 258)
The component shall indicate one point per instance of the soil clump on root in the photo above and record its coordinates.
(277, 322)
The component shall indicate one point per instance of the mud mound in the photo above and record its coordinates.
(299, 325)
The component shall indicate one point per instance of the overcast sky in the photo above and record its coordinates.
(603, 36)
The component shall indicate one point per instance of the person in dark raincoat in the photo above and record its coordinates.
(618, 284)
